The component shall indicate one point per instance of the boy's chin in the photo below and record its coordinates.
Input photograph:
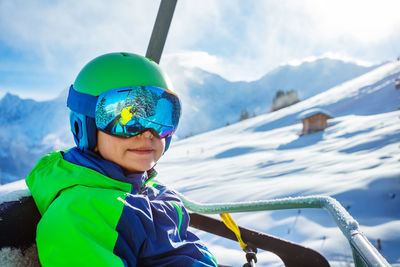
(138, 169)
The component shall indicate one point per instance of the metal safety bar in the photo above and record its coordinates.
(364, 253)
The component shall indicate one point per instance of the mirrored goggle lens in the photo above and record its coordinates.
(132, 110)
(139, 126)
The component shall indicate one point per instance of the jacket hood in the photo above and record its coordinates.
(52, 174)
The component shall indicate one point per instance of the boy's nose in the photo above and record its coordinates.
(146, 134)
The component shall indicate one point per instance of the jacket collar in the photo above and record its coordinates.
(95, 162)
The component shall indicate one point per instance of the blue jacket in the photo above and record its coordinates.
(95, 215)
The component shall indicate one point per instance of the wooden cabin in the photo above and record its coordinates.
(314, 120)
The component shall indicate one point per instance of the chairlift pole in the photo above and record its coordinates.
(160, 30)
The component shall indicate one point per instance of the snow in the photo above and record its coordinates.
(210, 102)
(13, 191)
(29, 130)
(355, 160)
(312, 112)
(11, 257)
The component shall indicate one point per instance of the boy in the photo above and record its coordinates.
(98, 202)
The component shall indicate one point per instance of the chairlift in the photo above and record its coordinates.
(19, 219)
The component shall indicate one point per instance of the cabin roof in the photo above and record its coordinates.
(314, 111)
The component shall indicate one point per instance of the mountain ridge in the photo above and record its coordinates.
(256, 96)
(33, 128)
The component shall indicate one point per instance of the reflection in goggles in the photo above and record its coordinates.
(129, 111)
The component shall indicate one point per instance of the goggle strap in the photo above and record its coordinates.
(82, 103)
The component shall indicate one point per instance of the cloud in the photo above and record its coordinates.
(77, 28)
(230, 70)
(192, 59)
(239, 40)
(244, 40)
(358, 20)
(56, 38)
(331, 55)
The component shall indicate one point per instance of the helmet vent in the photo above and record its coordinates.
(124, 54)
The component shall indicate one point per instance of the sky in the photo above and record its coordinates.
(44, 44)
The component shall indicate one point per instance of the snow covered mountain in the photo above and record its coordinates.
(31, 129)
(210, 101)
(355, 160)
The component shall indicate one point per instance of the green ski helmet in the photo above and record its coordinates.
(104, 73)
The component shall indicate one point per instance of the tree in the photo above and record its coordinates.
(397, 83)
(102, 115)
(244, 115)
(284, 99)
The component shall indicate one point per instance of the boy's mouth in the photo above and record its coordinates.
(141, 150)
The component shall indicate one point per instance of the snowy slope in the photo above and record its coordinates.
(355, 160)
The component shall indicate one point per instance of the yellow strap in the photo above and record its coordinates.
(230, 223)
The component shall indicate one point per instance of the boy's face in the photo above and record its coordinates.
(135, 154)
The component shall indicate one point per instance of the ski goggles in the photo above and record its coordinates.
(129, 111)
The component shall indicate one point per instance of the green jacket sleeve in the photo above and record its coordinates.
(78, 229)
